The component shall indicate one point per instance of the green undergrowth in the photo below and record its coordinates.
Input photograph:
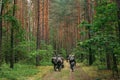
(19, 72)
(98, 72)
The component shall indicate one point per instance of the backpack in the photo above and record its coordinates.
(71, 58)
(59, 59)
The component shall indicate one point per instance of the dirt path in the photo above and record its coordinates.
(66, 74)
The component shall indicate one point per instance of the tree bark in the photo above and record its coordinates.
(12, 53)
(118, 14)
(115, 68)
(108, 60)
(1, 9)
(12, 39)
(42, 31)
(38, 34)
(88, 17)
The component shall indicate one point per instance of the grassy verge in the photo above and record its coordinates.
(43, 70)
(20, 72)
(23, 72)
(91, 71)
(97, 72)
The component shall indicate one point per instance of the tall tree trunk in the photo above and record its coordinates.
(1, 10)
(118, 13)
(12, 53)
(115, 68)
(42, 31)
(38, 34)
(46, 31)
(88, 17)
(12, 39)
(108, 60)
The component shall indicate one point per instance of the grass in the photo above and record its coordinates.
(23, 72)
(43, 70)
(91, 71)
(98, 72)
(31, 72)
(19, 72)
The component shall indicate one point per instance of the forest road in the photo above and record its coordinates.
(67, 74)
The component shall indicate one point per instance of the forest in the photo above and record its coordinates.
(33, 31)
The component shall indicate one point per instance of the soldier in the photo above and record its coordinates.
(54, 62)
(58, 62)
(72, 62)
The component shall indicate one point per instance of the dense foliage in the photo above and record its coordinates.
(104, 40)
(32, 31)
